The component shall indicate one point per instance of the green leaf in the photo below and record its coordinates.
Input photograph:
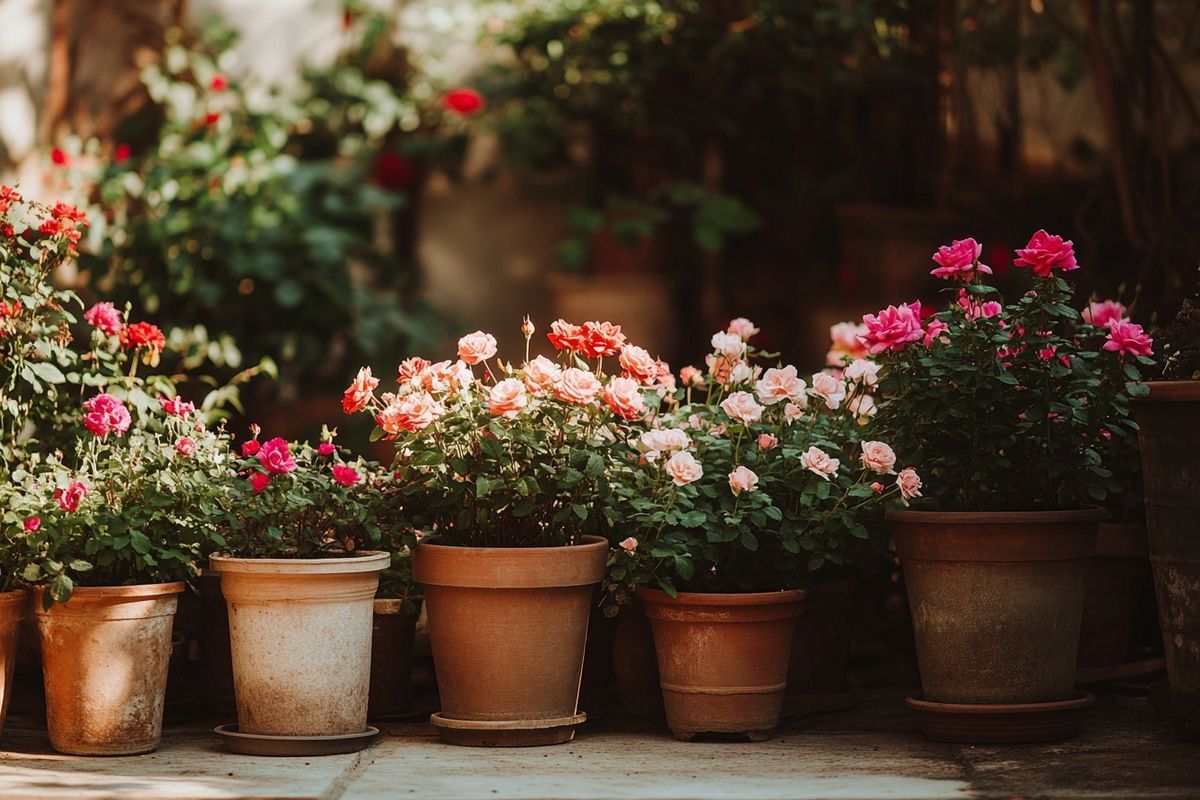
(139, 542)
(48, 372)
(61, 588)
(749, 541)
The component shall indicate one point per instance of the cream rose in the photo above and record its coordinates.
(683, 468)
(728, 345)
(742, 407)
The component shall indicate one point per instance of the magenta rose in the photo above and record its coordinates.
(105, 414)
(276, 457)
(959, 261)
(1046, 253)
(893, 328)
(70, 497)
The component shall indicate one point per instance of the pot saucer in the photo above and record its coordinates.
(251, 744)
(1002, 723)
(506, 733)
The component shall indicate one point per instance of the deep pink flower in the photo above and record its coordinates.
(259, 481)
(1128, 338)
(177, 406)
(1100, 313)
(325, 449)
(346, 476)
(185, 447)
(464, 100)
(934, 331)
(893, 328)
(32, 524)
(250, 448)
(959, 261)
(105, 317)
(1046, 253)
(70, 497)
(277, 457)
(219, 83)
(105, 414)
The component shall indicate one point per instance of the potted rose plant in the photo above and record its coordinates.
(397, 607)
(1011, 410)
(109, 540)
(506, 476)
(736, 500)
(1168, 417)
(296, 535)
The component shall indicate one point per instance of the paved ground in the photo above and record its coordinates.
(871, 752)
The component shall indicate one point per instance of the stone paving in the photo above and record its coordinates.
(874, 751)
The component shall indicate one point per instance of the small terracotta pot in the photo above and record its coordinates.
(996, 600)
(817, 674)
(104, 658)
(635, 664)
(12, 612)
(1112, 591)
(1169, 434)
(508, 627)
(392, 634)
(300, 635)
(723, 658)
(216, 659)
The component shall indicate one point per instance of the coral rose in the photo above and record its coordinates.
(779, 385)
(565, 336)
(143, 335)
(576, 386)
(624, 397)
(602, 339)
(818, 462)
(767, 441)
(959, 261)
(507, 398)
(639, 364)
(691, 377)
(629, 544)
(878, 457)
(476, 347)
(892, 328)
(540, 376)
(1046, 253)
(411, 412)
(719, 368)
(410, 368)
(683, 468)
(742, 480)
(741, 406)
(360, 393)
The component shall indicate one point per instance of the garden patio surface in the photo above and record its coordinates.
(874, 751)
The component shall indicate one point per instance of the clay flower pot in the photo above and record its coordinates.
(1169, 435)
(300, 635)
(996, 601)
(723, 659)
(104, 658)
(635, 665)
(817, 675)
(12, 612)
(508, 627)
(392, 634)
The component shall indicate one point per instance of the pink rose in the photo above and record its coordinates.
(476, 347)
(412, 413)
(691, 377)
(742, 328)
(70, 497)
(683, 468)
(664, 440)
(893, 328)
(742, 480)
(360, 393)
(862, 371)
(629, 545)
(1099, 314)
(577, 386)
(976, 310)
(507, 398)
(565, 336)
(602, 339)
(259, 481)
(1046, 253)
(877, 487)
(444, 377)
(624, 397)
(665, 378)
(250, 448)
(863, 405)
(32, 524)
(845, 342)
(878, 457)
(177, 407)
(909, 483)
(1128, 338)
(741, 406)
(766, 441)
(326, 449)
(185, 447)
(793, 411)
(540, 375)
(105, 317)
(829, 388)
(639, 364)
(410, 368)
(346, 476)
(933, 333)
(959, 261)
(105, 414)
(276, 456)
(779, 385)
(818, 462)
(729, 346)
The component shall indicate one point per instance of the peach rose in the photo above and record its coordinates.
(410, 368)
(639, 364)
(624, 397)
(507, 398)
(818, 462)
(778, 385)
(629, 545)
(742, 407)
(683, 468)
(358, 396)
(845, 343)
(444, 377)
(831, 389)
(794, 411)
(863, 371)
(767, 441)
(742, 480)
(664, 440)
(576, 386)
(541, 375)
(742, 328)
(411, 412)
(476, 347)
(910, 484)
(691, 377)
(878, 457)
(729, 346)
(719, 368)
(602, 339)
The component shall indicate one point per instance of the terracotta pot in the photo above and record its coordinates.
(635, 665)
(1169, 435)
(300, 635)
(723, 658)
(996, 600)
(508, 627)
(392, 634)
(817, 674)
(104, 659)
(216, 660)
(12, 612)
(1112, 591)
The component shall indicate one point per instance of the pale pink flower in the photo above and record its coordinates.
(742, 480)
(863, 405)
(665, 378)
(664, 440)
(1046, 253)
(507, 398)
(829, 388)
(717, 430)
(691, 377)
(360, 393)
(741, 406)
(878, 457)
(976, 310)
(767, 440)
(105, 317)
(683, 468)
(909, 483)
(893, 328)
(629, 544)
(540, 376)
(863, 371)
(577, 386)
(624, 397)
(185, 447)
(818, 462)
(1099, 313)
(742, 373)
(877, 487)
(719, 368)
(410, 368)
(742, 328)
(638, 364)
(845, 342)
(794, 411)
(959, 261)
(728, 345)
(1128, 338)
(476, 347)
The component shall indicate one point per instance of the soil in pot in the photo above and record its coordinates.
(104, 657)
(818, 671)
(723, 659)
(392, 633)
(12, 612)
(508, 628)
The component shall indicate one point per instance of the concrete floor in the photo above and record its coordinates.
(873, 751)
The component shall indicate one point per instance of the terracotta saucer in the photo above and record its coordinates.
(506, 733)
(251, 744)
(1000, 723)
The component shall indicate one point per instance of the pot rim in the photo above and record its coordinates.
(722, 598)
(365, 561)
(589, 540)
(133, 590)
(1089, 514)
(1170, 392)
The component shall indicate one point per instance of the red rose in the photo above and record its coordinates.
(346, 476)
(259, 481)
(219, 83)
(325, 449)
(70, 497)
(59, 157)
(250, 448)
(464, 100)
(143, 334)
(392, 171)
(121, 153)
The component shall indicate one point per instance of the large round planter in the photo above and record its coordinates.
(817, 673)
(508, 628)
(392, 633)
(216, 659)
(1113, 590)
(723, 659)
(996, 601)
(1169, 434)
(104, 658)
(12, 612)
(300, 637)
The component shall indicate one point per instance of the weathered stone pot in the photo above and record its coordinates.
(723, 659)
(635, 664)
(12, 612)
(817, 673)
(508, 628)
(1169, 435)
(1112, 592)
(392, 633)
(216, 660)
(996, 600)
(104, 658)
(300, 636)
